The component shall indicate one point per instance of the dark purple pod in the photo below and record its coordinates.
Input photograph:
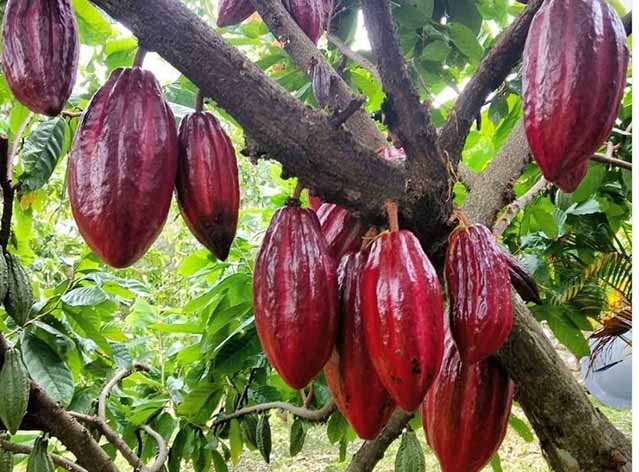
(233, 12)
(310, 15)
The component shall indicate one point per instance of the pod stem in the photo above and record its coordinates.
(199, 101)
(393, 219)
(369, 237)
(298, 191)
(139, 57)
(460, 216)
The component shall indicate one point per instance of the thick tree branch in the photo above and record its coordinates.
(60, 461)
(492, 71)
(515, 207)
(300, 411)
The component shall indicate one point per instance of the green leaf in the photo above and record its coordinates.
(465, 12)
(264, 438)
(47, 369)
(466, 42)
(91, 295)
(218, 462)
(42, 149)
(569, 335)
(94, 28)
(498, 109)
(336, 428)
(521, 428)
(495, 463)
(297, 437)
(413, 14)
(437, 51)
(546, 222)
(410, 457)
(591, 183)
(235, 440)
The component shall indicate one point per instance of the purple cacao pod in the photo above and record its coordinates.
(343, 232)
(122, 167)
(321, 82)
(295, 295)
(479, 290)
(350, 374)
(40, 55)
(573, 82)
(233, 12)
(208, 189)
(403, 316)
(310, 16)
(521, 280)
(465, 413)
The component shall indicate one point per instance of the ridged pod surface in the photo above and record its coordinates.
(573, 82)
(122, 167)
(403, 316)
(465, 413)
(343, 232)
(232, 12)
(321, 83)
(14, 390)
(295, 295)
(207, 184)
(40, 53)
(310, 16)
(479, 290)
(4, 276)
(350, 374)
(6, 461)
(39, 460)
(19, 296)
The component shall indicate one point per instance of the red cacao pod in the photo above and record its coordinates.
(315, 202)
(310, 16)
(479, 290)
(350, 374)
(122, 167)
(208, 189)
(40, 55)
(573, 82)
(465, 413)
(403, 316)
(233, 12)
(295, 295)
(343, 232)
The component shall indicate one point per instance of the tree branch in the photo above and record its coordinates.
(300, 411)
(355, 56)
(511, 210)
(611, 161)
(492, 71)
(57, 460)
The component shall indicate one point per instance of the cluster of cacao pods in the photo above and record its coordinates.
(573, 82)
(310, 15)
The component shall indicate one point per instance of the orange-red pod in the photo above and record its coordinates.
(295, 295)
(479, 289)
(122, 167)
(350, 374)
(232, 12)
(465, 413)
(403, 316)
(343, 232)
(40, 53)
(207, 185)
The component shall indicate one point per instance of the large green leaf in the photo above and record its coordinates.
(466, 42)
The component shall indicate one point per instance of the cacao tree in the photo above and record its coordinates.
(424, 116)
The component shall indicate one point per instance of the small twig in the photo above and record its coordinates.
(57, 460)
(72, 114)
(302, 412)
(511, 210)
(106, 391)
(340, 116)
(604, 159)
(355, 56)
(163, 450)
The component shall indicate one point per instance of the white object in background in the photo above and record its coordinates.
(609, 378)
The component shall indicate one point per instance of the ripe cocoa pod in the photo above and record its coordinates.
(479, 291)
(465, 413)
(6, 461)
(343, 232)
(39, 460)
(321, 82)
(310, 15)
(14, 391)
(207, 184)
(40, 55)
(403, 316)
(573, 82)
(122, 167)
(19, 297)
(233, 12)
(315, 202)
(295, 295)
(521, 280)
(4, 276)
(350, 374)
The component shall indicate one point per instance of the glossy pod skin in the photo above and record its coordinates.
(310, 16)
(343, 232)
(41, 51)
(122, 167)
(403, 316)
(465, 413)
(350, 374)
(233, 12)
(573, 81)
(479, 290)
(521, 280)
(295, 295)
(207, 185)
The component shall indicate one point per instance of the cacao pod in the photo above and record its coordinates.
(232, 12)
(573, 82)
(6, 461)
(39, 460)
(521, 280)
(403, 316)
(19, 297)
(350, 374)
(321, 82)
(41, 51)
(295, 295)
(343, 232)
(479, 291)
(122, 167)
(208, 189)
(315, 202)
(310, 16)
(14, 391)
(4, 276)
(465, 413)
(263, 437)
